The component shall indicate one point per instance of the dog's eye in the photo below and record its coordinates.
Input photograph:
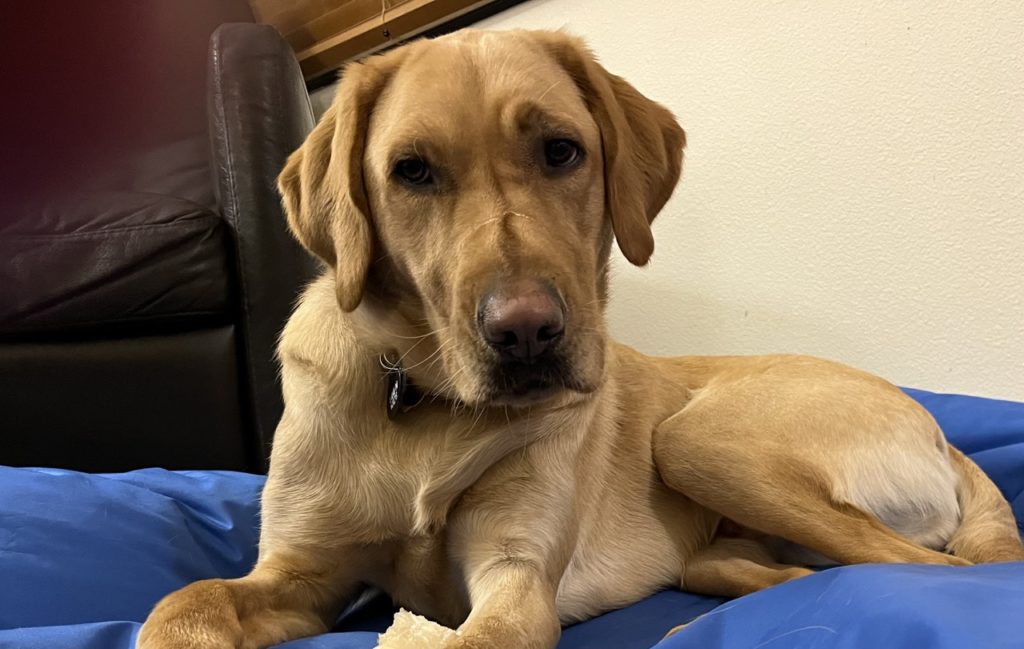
(414, 171)
(562, 153)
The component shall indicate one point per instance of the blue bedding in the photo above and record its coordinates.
(84, 557)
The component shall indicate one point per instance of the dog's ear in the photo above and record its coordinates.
(322, 182)
(642, 141)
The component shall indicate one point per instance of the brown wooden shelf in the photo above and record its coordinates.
(327, 33)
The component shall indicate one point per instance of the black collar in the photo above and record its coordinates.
(402, 395)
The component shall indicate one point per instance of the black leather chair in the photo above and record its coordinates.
(145, 265)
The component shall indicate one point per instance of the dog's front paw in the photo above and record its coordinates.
(411, 631)
(200, 616)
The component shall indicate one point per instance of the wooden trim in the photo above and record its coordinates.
(328, 33)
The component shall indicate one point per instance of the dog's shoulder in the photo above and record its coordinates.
(319, 350)
(316, 320)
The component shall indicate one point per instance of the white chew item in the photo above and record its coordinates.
(411, 631)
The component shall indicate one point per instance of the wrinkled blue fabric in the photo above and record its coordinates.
(83, 558)
(868, 606)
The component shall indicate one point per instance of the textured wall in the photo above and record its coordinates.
(854, 184)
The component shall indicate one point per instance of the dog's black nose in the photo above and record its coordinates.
(522, 319)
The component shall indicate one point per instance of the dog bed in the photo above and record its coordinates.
(83, 558)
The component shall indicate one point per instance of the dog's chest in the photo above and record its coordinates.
(413, 476)
(627, 550)
(422, 578)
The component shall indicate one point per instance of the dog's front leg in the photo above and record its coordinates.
(513, 605)
(287, 595)
(512, 585)
(513, 549)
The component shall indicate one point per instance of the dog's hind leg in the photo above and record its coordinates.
(734, 567)
(988, 531)
(715, 455)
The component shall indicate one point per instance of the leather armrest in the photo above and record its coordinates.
(259, 113)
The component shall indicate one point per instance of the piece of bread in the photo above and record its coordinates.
(411, 631)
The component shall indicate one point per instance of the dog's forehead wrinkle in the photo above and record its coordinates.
(485, 65)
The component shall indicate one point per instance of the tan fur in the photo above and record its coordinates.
(506, 517)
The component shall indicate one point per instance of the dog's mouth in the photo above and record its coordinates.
(520, 384)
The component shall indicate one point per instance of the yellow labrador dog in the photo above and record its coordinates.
(460, 431)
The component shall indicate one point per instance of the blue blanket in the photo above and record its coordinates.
(83, 558)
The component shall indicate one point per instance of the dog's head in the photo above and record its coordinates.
(466, 191)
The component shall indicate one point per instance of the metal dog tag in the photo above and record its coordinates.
(398, 383)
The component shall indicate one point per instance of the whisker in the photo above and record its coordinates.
(550, 88)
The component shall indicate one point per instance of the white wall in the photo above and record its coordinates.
(854, 185)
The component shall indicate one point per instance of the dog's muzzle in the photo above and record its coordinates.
(523, 322)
